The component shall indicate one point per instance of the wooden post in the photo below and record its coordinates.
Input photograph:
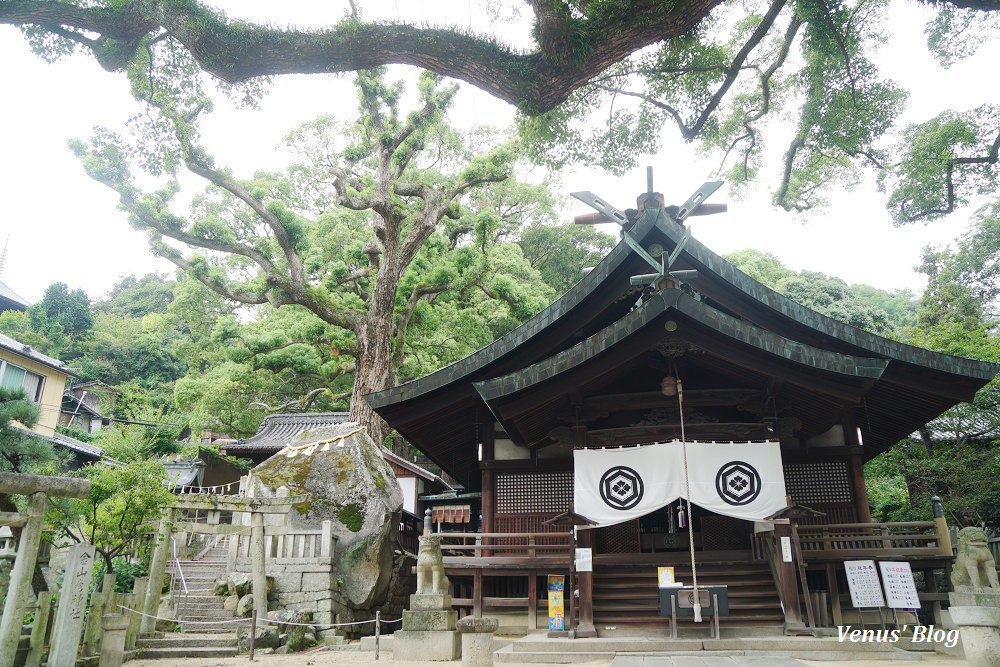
(489, 506)
(39, 629)
(941, 527)
(257, 561)
(856, 470)
(20, 578)
(786, 572)
(586, 582)
(532, 600)
(834, 589)
(477, 593)
(157, 569)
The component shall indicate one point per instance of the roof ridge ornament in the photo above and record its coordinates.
(653, 200)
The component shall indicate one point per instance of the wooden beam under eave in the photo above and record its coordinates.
(601, 406)
(634, 435)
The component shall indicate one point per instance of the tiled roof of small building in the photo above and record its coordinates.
(93, 451)
(276, 431)
(29, 352)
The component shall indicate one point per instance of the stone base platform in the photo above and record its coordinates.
(427, 645)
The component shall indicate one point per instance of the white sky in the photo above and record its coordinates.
(65, 227)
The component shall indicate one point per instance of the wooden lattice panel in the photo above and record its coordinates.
(621, 538)
(543, 492)
(724, 533)
(818, 482)
(833, 513)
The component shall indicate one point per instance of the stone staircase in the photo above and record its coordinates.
(202, 630)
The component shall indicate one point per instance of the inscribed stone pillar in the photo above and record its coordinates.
(68, 625)
(157, 568)
(20, 579)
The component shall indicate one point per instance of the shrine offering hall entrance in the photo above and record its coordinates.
(627, 557)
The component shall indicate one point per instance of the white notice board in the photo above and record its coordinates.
(862, 577)
(584, 559)
(900, 591)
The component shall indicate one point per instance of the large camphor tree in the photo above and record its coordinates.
(717, 71)
(388, 216)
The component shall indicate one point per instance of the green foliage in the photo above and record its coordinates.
(957, 33)
(121, 510)
(943, 164)
(136, 297)
(63, 321)
(20, 451)
(560, 252)
(857, 305)
(901, 482)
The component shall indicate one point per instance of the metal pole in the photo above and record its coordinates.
(378, 619)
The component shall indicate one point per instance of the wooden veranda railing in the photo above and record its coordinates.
(907, 539)
(410, 527)
(504, 568)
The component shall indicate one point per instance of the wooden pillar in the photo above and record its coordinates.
(786, 572)
(833, 588)
(532, 600)
(489, 503)
(157, 569)
(20, 578)
(855, 470)
(585, 539)
(257, 561)
(477, 593)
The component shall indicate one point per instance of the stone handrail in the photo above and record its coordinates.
(293, 543)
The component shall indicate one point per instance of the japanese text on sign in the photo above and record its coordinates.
(862, 578)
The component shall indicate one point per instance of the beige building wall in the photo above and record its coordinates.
(52, 390)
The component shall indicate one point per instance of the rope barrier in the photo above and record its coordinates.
(259, 620)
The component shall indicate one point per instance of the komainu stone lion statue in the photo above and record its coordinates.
(430, 566)
(974, 564)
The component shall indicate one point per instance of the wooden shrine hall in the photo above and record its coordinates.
(599, 368)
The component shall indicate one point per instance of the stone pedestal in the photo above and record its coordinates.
(428, 630)
(977, 615)
(477, 640)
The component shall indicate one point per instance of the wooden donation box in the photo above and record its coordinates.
(679, 601)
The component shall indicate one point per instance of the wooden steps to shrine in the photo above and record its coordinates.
(629, 595)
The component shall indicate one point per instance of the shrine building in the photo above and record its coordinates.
(644, 385)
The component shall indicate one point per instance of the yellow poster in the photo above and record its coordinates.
(665, 577)
(556, 616)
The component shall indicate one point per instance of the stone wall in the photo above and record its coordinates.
(304, 583)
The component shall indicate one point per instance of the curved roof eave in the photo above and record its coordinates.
(704, 259)
(863, 368)
(877, 345)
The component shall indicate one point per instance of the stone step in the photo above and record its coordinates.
(809, 648)
(203, 614)
(176, 654)
(180, 640)
(213, 628)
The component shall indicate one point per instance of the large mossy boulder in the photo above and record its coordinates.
(348, 482)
